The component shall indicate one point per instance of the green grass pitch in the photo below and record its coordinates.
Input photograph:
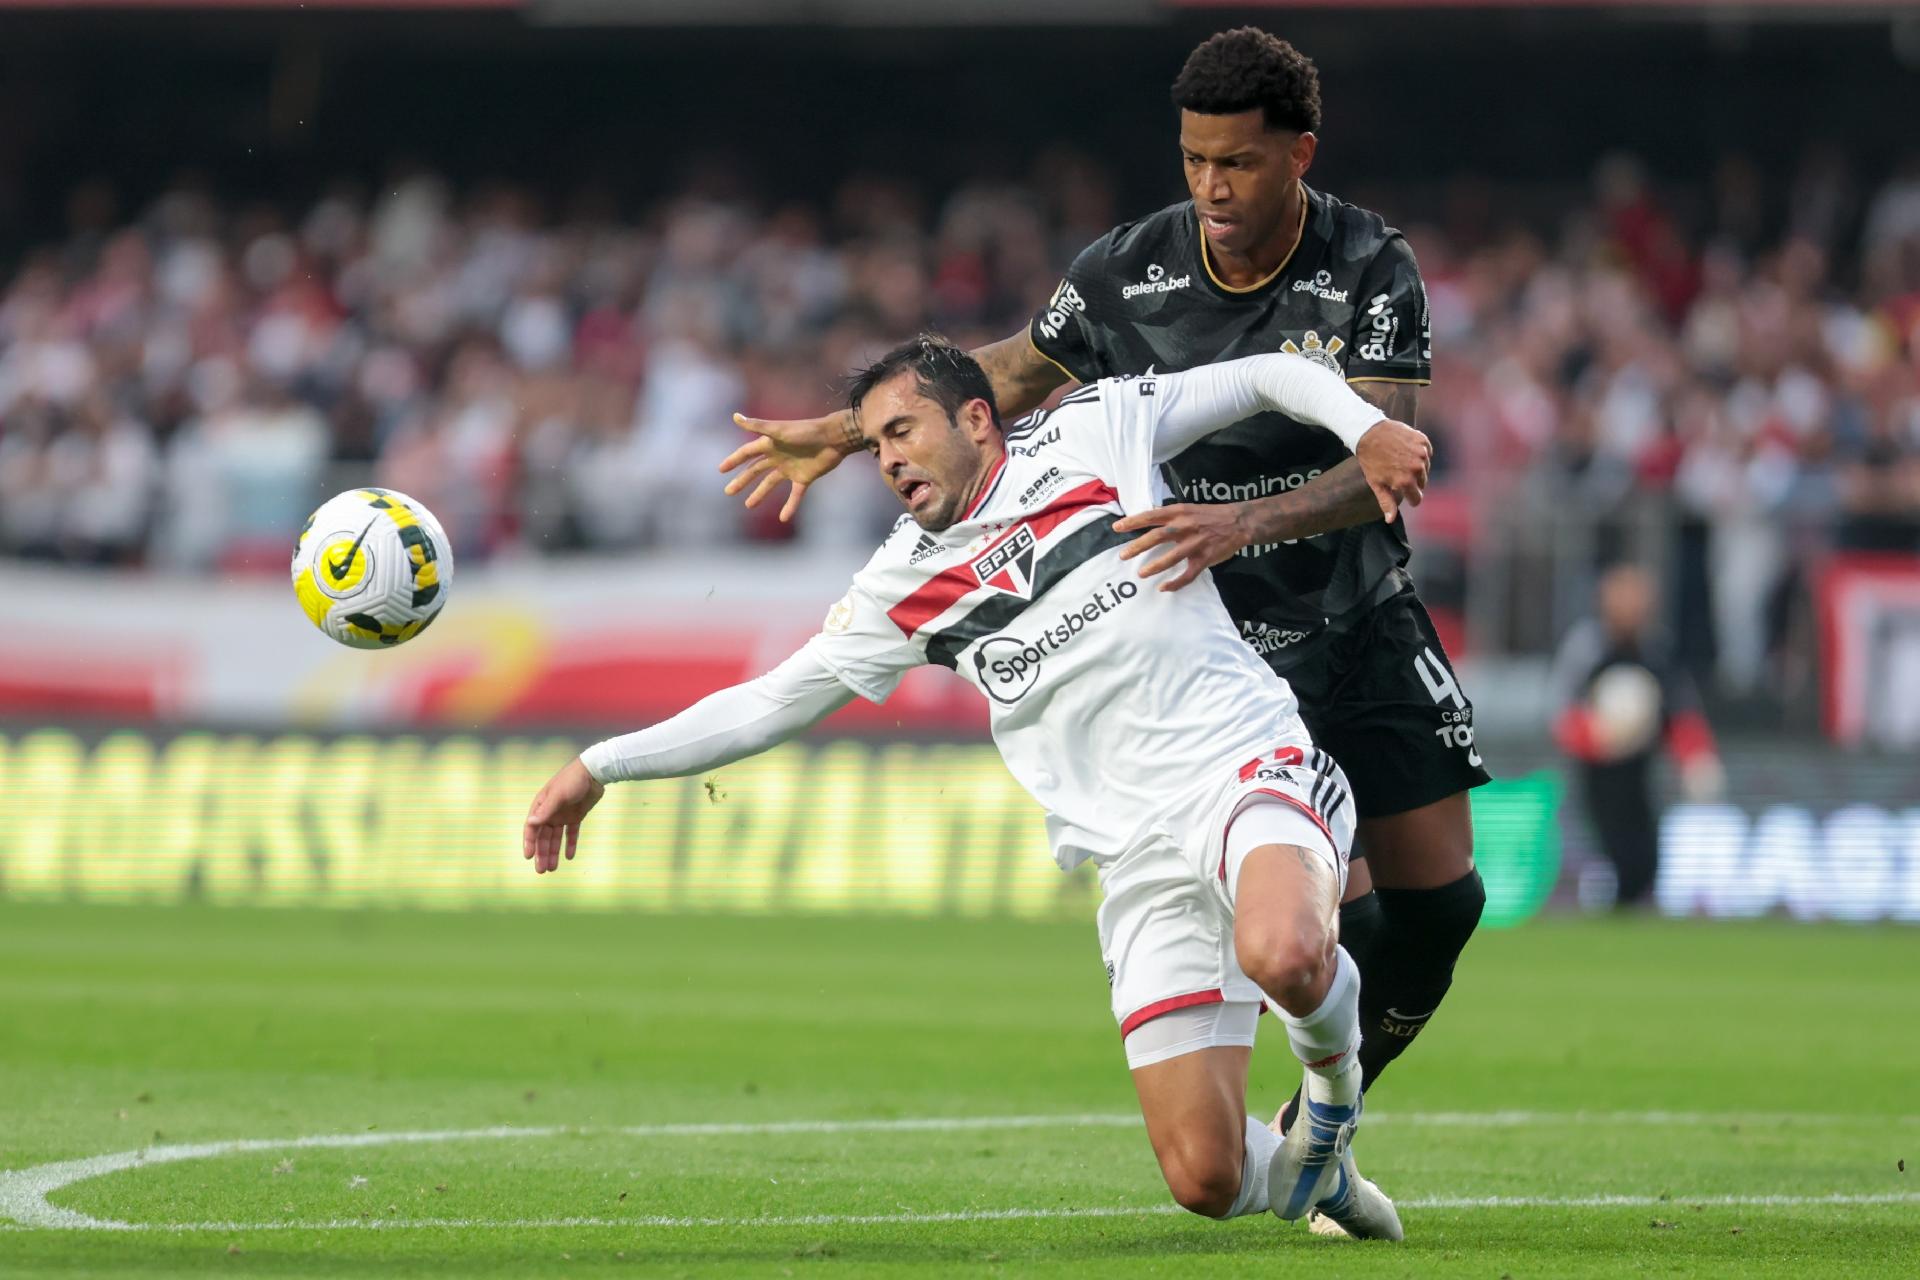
(711, 1096)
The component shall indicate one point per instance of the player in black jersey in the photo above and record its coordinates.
(1310, 563)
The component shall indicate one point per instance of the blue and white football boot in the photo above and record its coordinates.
(1314, 1172)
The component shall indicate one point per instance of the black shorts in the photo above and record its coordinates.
(1382, 699)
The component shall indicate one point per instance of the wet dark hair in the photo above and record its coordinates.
(944, 373)
(1245, 69)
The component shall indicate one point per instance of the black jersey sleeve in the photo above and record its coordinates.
(1392, 339)
(1062, 330)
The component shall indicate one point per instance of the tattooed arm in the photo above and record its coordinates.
(1206, 534)
(1022, 378)
(1337, 498)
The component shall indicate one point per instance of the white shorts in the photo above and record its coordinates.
(1166, 917)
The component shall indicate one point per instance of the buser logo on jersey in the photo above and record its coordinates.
(1066, 300)
(1008, 666)
(1382, 329)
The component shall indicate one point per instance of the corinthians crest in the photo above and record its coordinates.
(1326, 355)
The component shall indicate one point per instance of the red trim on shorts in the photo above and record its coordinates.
(1158, 1007)
(1318, 821)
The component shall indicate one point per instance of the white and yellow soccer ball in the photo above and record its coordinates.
(372, 568)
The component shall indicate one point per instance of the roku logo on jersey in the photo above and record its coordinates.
(1028, 450)
(1008, 666)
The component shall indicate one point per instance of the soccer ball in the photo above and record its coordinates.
(1626, 704)
(372, 568)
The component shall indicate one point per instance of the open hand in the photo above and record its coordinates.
(1201, 533)
(556, 815)
(800, 452)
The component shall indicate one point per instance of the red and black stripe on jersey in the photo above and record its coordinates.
(997, 611)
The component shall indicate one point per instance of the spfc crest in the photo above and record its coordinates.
(1008, 564)
(1326, 355)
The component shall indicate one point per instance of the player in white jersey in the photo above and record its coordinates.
(1161, 748)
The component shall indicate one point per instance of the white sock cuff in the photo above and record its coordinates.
(1257, 1160)
(1331, 1031)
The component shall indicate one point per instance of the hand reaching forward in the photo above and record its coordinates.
(800, 452)
(1395, 459)
(556, 815)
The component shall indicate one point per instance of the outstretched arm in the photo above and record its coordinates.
(1195, 404)
(801, 451)
(1206, 534)
(723, 727)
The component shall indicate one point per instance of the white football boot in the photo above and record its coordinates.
(1356, 1207)
(1314, 1172)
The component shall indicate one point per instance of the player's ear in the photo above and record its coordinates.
(976, 417)
(1300, 154)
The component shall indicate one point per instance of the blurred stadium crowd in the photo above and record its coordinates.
(178, 389)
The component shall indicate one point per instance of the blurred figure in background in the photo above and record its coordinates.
(1621, 697)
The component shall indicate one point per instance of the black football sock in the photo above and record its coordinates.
(1360, 928)
(1422, 933)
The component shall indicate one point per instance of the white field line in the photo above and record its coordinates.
(643, 1221)
(23, 1193)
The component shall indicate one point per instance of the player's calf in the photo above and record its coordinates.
(1284, 941)
(1215, 1159)
(1207, 1179)
(1430, 900)
(1411, 969)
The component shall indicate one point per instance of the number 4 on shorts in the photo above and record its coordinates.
(1439, 681)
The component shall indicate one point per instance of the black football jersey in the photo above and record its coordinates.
(1144, 298)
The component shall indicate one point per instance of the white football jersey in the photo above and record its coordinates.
(1115, 704)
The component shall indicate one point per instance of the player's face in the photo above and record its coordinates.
(1626, 600)
(1241, 175)
(932, 462)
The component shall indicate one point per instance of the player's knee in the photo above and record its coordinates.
(1465, 903)
(1203, 1180)
(1437, 922)
(1293, 965)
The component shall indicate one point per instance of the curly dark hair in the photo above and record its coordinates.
(1245, 68)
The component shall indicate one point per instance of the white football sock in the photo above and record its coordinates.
(1262, 1142)
(1326, 1040)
